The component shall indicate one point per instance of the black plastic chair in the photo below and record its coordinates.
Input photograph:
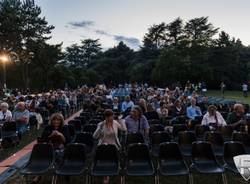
(40, 162)
(72, 132)
(95, 121)
(217, 142)
(9, 129)
(77, 124)
(86, 115)
(138, 161)
(204, 161)
(153, 121)
(232, 149)
(244, 138)
(91, 128)
(155, 128)
(156, 139)
(171, 162)
(185, 140)
(74, 161)
(106, 161)
(226, 132)
(82, 120)
(87, 139)
(200, 131)
(134, 138)
(178, 128)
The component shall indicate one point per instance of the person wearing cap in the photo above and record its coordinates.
(137, 122)
(5, 114)
(213, 117)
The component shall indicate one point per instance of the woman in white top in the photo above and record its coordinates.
(213, 117)
(5, 114)
(107, 130)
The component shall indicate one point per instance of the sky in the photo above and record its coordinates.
(113, 21)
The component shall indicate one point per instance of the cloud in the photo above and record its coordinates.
(131, 41)
(81, 24)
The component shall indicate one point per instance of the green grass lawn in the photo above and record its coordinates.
(234, 95)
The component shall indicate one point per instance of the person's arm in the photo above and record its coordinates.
(189, 115)
(204, 120)
(221, 120)
(99, 131)
(123, 107)
(121, 125)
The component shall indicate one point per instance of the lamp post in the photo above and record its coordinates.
(4, 59)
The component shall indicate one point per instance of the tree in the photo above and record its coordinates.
(81, 55)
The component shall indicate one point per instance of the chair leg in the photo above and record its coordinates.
(191, 180)
(224, 178)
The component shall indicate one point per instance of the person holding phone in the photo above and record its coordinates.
(213, 118)
(107, 130)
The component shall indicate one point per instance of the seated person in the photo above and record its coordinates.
(236, 118)
(151, 114)
(137, 122)
(128, 103)
(115, 105)
(178, 109)
(162, 110)
(5, 114)
(193, 110)
(21, 116)
(56, 132)
(213, 118)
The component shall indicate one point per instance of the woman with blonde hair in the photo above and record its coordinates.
(213, 118)
(56, 132)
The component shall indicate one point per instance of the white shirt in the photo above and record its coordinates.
(5, 115)
(207, 119)
(244, 87)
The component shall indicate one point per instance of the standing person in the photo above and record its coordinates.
(107, 130)
(223, 88)
(245, 89)
(21, 116)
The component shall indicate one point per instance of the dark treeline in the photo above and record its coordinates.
(171, 52)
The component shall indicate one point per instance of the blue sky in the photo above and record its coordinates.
(128, 20)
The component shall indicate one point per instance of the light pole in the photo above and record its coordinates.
(4, 59)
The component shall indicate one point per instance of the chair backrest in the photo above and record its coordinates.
(182, 119)
(226, 131)
(160, 137)
(244, 138)
(153, 121)
(95, 121)
(202, 150)
(232, 149)
(75, 153)
(9, 127)
(76, 123)
(89, 128)
(138, 151)
(81, 119)
(134, 138)
(170, 151)
(186, 138)
(38, 154)
(106, 152)
(215, 138)
(200, 130)
(177, 128)
(156, 128)
(85, 138)
(72, 130)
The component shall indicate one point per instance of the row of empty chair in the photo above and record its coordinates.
(107, 161)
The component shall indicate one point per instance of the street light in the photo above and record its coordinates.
(4, 59)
